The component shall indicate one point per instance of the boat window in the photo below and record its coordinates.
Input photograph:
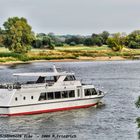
(73, 77)
(50, 95)
(87, 92)
(56, 78)
(51, 78)
(93, 91)
(69, 78)
(42, 96)
(40, 80)
(57, 95)
(71, 94)
(24, 98)
(78, 92)
(64, 94)
(32, 97)
(16, 99)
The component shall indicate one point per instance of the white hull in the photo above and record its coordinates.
(49, 107)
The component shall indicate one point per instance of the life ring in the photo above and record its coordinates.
(10, 87)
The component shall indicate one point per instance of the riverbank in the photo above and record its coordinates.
(114, 58)
(63, 54)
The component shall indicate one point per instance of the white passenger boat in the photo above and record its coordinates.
(52, 91)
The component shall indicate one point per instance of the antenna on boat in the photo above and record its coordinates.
(54, 68)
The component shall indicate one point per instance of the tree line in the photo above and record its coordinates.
(17, 36)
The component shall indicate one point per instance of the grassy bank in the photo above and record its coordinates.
(67, 52)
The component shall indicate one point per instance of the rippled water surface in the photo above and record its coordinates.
(113, 121)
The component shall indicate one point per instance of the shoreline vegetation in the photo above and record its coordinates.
(19, 44)
(68, 53)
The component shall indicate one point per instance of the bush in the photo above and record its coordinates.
(116, 42)
(59, 44)
(20, 57)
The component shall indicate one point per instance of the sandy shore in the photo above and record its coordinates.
(103, 58)
(113, 58)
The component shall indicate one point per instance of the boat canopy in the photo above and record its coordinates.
(43, 74)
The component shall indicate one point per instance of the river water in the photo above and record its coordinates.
(115, 120)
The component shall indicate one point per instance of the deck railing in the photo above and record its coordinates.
(10, 86)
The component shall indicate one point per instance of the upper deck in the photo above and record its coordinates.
(43, 74)
(49, 78)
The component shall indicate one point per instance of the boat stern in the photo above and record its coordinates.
(5, 99)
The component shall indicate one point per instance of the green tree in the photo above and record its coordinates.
(40, 35)
(37, 43)
(48, 42)
(133, 40)
(138, 119)
(18, 35)
(1, 37)
(97, 39)
(74, 40)
(88, 42)
(116, 42)
(43, 41)
(138, 102)
(104, 36)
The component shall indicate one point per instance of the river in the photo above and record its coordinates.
(115, 120)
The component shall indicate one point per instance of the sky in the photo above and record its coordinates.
(82, 17)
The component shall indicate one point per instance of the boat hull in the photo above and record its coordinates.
(45, 107)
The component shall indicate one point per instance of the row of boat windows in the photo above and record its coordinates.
(57, 95)
(89, 92)
(62, 94)
(24, 98)
(53, 79)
